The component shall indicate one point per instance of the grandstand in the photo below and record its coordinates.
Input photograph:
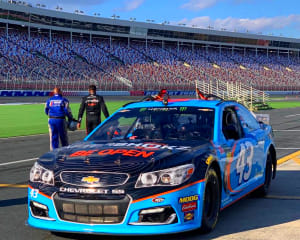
(42, 48)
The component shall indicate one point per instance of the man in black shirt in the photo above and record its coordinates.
(93, 104)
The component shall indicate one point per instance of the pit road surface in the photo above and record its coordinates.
(274, 217)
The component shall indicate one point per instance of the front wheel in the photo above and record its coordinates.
(211, 202)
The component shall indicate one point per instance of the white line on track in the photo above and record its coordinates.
(19, 161)
(288, 148)
(42, 134)
(36, 135)
(292, 115)
(291, 130)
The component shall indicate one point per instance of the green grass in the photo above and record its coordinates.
(23, 120)
(285, 104)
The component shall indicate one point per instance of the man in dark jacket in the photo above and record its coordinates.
(57, 109)
(93, 104)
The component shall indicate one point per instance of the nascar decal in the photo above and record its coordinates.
(158, 200)
(188, 199)
(189, 216)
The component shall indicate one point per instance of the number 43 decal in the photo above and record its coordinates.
(244, 162)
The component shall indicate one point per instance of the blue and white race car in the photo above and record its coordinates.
(154, 167)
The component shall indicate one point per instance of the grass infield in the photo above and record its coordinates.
(23, 120)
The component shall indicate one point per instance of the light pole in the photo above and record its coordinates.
(132, 19)
(114, 16)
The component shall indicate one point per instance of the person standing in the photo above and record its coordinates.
(93, 104)
(57, 109)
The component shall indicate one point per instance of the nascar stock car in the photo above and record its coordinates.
(160, 166)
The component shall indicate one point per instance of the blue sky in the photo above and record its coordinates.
(275, 17)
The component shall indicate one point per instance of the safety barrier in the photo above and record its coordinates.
(27, 93)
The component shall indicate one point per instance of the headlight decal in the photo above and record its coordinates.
(166, 177)
(41, 174)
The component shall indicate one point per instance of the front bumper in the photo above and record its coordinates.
(185, 201)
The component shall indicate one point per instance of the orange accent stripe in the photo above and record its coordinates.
(241, 197)
(228, 167)
(43, 194)
(171, 191)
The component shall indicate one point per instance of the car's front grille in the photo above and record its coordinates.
(91, 212)
(95, 179)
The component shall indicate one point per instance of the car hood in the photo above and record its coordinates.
(126, 157)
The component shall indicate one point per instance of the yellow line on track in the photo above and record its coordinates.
(13, 185)
(288, 157)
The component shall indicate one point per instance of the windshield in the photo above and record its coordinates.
(160, 123)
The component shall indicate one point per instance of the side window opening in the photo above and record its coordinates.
(231, 126)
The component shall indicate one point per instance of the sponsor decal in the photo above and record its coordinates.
(122, 152)
(148, 146)
(141, 152)
(188, 199)
(90, 179)
(90, 190)
(34, 193)
(160, 109)
(187, 207)
(172, 93)
(12, 93)
(209, 159)
(188, 216)
(158, 200)
(136, 93)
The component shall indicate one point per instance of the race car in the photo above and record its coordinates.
(154, 167)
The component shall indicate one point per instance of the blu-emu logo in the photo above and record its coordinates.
(24, 93)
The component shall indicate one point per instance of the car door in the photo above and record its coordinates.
(252, 130)
(240, 150)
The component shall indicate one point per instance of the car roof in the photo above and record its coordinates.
(177, 103)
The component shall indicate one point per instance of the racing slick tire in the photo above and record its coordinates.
(211, 202)
(264, 189)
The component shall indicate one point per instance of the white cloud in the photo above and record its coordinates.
(195, 5)
(242, 24)
(130, 5)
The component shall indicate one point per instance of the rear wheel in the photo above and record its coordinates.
(263, 190)
(211, 202)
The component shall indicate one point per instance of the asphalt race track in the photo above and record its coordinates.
(274, 217)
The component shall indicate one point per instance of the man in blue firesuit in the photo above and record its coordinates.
(57, 109)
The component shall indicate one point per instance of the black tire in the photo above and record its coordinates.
(211, 202)
(263, 190)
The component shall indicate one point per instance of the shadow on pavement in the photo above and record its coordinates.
(247, 214)
(13, 202)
